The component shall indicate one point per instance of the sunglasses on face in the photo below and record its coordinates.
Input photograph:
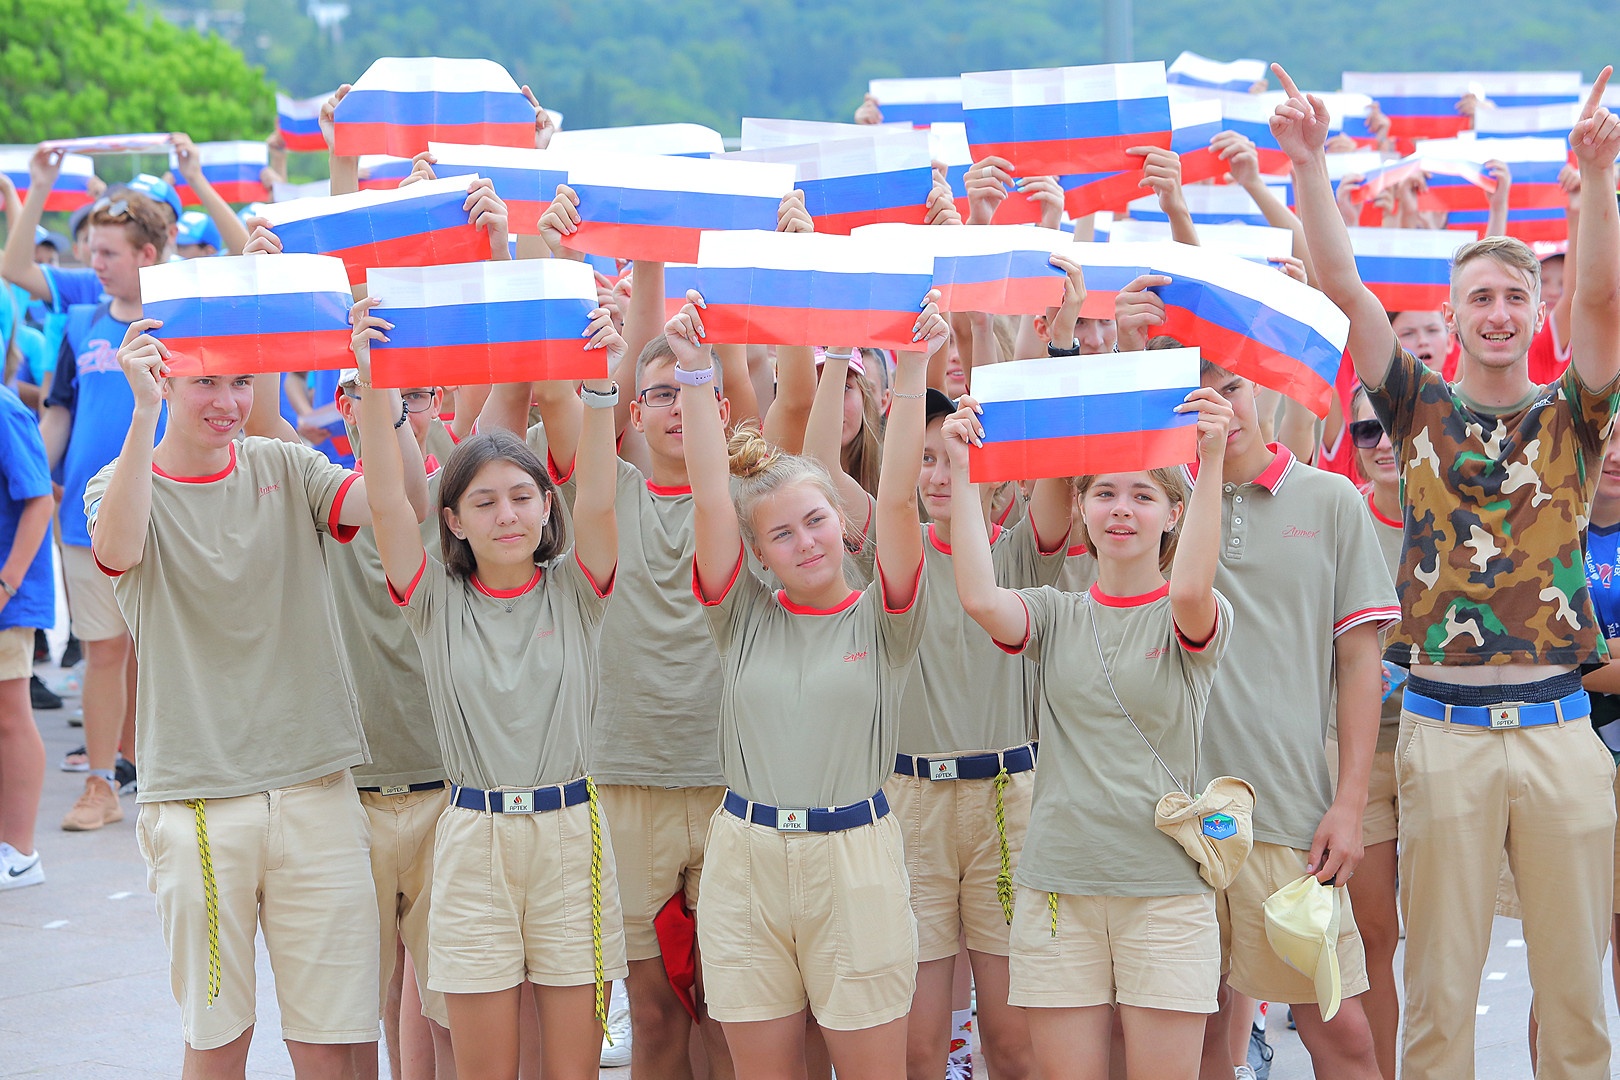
(1366, 434)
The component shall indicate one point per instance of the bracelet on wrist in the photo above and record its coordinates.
(404, 415)
(599, 399)
(1053, 350)
(10, 589)
(694, 377)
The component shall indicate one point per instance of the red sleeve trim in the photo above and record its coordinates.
(342, 533)
(1380, 615)
(559, 477)
(402, 599)
(1188, 644)
(1040, 545)
(103, 567)
(697, 589)
(602, 591)
(916, 588)
(1017, 650)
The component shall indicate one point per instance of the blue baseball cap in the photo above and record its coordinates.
(197, 227)
(42, 235)
(159, 189)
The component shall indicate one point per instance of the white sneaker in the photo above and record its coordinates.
(617, 1055)
(18, 870)
(1243, 1072)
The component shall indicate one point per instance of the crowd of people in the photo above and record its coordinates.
(684, 677)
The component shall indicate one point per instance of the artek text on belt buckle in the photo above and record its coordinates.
(1504, 717)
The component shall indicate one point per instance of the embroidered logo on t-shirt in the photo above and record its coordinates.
(544, 633)
(1294, 532)
(850, 658)
(267, 490)
(1154, 654)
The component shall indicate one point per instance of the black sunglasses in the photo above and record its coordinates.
(1366, 434)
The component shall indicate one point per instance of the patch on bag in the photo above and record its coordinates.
(1218, 826)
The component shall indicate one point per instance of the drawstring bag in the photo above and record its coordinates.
(1217, 828)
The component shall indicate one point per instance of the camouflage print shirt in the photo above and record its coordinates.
(1495, 504)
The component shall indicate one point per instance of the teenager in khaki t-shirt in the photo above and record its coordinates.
(1110, 912)
(523, 881)
(247, 728)
(804, 891)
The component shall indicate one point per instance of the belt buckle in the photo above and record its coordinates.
(517, 802)
(792, 820)
(394, 789)
(1504, 717)
(942, 770)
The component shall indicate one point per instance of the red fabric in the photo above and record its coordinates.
(1546, 366)
(677, 941)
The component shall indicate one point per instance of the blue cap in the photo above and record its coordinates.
(197, 227)
(42, 235)
(155, 187)
(252, 209)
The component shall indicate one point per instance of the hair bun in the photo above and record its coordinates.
(750, 454)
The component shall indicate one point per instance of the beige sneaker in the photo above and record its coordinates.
(98, 806)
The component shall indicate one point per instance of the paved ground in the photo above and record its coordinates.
(84, 988)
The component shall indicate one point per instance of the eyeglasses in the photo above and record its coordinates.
(662, 397)
(1366, 434)
(418, 401)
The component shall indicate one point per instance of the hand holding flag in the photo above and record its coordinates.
(145, 362)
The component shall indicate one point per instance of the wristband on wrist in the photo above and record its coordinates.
(694, 377)
(404, 415)
(11, 590)
(601, 399)
(1053, 350)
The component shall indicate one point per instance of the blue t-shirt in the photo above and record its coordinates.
(72, 285)
(1603, 582)
(22, 463)
(93, 388)
(323, 391)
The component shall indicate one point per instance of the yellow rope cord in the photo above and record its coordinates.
(596, 906)
(1051, 906)
(1004, 889)
(210, 898)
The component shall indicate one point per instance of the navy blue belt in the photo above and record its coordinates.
(968, 766)
(405, 789)
(525, 801)
(812, 819)
(1502, 717)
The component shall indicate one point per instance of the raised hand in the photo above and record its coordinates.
(1241, 157)
(145, 361)
(544, 129)
(684, 332)
(791, 216)
(868, 112)
(1300, 124)
(421, 169)
(1596, 136)
(1214, 421)
(986, 184)
(367, 328)
(560, 219)
(1137, 310)
(328, 109)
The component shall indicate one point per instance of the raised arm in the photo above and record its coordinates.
(1243, 161)
(17, 264)
(1496, 221)
(1162, 175)
(596, 469)
(232, 232)
(119, 537)
(899, 541)
(344, 169)
(1192, 580)
(823, 434)
(708, 468)
(1594, 332)
(388, 478)
(1301, 125)
(999, 611)
(642, 322)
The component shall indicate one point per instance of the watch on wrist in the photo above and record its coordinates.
(1052, 349)
(599, 399)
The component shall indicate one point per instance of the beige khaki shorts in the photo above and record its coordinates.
(16, 652)
(90, 597)
(1251, 965)
(1153, 952)
(512, 902)
(806, 918)
(402, 832)
(1381, 821)
(658, 837)
(293, 862)
(953, 855)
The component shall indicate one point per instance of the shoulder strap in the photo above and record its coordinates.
(1096, 636)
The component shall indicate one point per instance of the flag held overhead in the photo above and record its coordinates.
(72, 188)
(526, 179)
(849, 183)
(674, 140)
(996, 269)
(1407, 269)
(143, 143)
(1190, 69)
(1109, 413)
(299, 122)
(250, 313)
(1052, 121)
(481, 323)
(233, 169)
(919, 102)
(401, 104)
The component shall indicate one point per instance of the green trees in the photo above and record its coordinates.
(88, 67)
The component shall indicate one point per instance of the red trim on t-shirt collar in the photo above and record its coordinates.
(801, 609)
(1128, 601)
(1380, 518)
(215, 478)
(682, 489)
(1078, 549)
(945, 549)
(1272, 476)
(507, 594)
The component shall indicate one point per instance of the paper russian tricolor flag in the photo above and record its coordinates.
(1108, 413)
(1190, 69)
(1193, 125)
(1407, 269)
(421, 225)
(1527, 224)
(1526, 121)
(401, 104)
(72, 187)
(763, 133)
(1256, 243)
(526, 179)
(234, 169)
(299, 122)
(672, 140)
(1534, 162)
(381, 172)
(1423, 104)
(1253, 321)
(855, 182)
(481, 323)
(771, 288)
(948, 145)
(996, 269)
(919, 102)
(1209, 205)
(244, 314)
(146, 142)
(1051, 121)
(638, 206)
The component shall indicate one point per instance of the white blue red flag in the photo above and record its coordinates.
(420, 225)
(1526, 121)
(762, 133)
(853, 182)
(771, 288)
(482, 323)
(1052, 121)
(996, 269)
(1423, 104)
(299, 122)
(147, 142)
(1257, 243)
(244, 314)
(1407, 269)
(382, 172)
(526, 179)
(638, 206)
(1108, 413)
(1193, 125)
(919, 102)
(401, 104)
(72, 187)
(1190, 69)
(233, 169)
(1212, 205)
(673, 140)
